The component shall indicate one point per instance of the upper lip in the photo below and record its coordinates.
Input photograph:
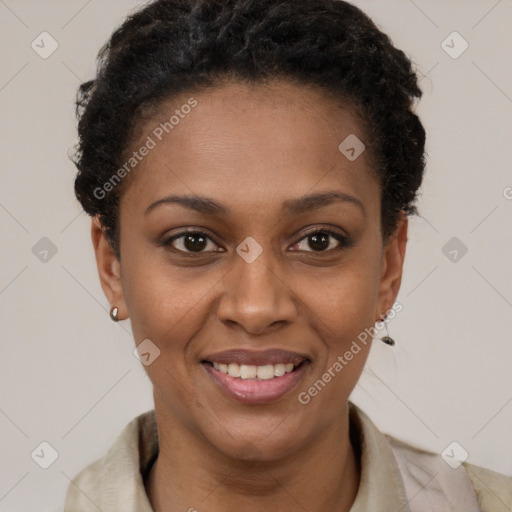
(256, 358)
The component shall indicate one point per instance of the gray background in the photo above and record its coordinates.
(68, 374)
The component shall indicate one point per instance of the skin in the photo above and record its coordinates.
(251, 149)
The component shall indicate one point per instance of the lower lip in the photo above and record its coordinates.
(255, 391)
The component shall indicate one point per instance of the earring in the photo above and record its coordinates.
(387, 339)
(113, 314)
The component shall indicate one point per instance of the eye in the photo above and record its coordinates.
(321, 240)
(191, 242)
(197, 242)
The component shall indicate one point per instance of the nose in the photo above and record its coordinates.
(256, 298)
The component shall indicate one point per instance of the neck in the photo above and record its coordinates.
(189, 474)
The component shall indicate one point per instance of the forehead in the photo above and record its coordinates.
(251, 145)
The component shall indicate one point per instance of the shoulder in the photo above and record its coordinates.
(493, 490)
(116, 477)
(83, 489)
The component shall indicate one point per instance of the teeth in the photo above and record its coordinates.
(265, 372)
(279, 370)
(234, 370)
(246, 371)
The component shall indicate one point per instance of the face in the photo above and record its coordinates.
(277, 260)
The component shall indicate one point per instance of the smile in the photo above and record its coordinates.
(244, 371)
(272, 374)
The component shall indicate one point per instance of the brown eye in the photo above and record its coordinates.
(321, 241)
(191, 242)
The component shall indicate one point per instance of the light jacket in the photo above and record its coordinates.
(395, 476)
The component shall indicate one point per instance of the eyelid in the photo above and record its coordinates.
(321, 229)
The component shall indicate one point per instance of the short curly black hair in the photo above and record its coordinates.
(167, 47)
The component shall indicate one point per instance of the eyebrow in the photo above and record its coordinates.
(208, 206)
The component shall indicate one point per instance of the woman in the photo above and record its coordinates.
(250, 167)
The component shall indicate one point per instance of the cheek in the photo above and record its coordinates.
(344, 309)
(343, 313)
(163, 302)
(346, 302)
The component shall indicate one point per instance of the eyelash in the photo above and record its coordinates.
(342, 239)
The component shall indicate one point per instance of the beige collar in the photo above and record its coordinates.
(115, 482)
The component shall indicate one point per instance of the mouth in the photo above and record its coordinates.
(256, 377)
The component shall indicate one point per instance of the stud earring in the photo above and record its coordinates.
(113, 314)
(388, 340)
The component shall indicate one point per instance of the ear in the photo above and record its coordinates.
(109, 268)
(392, 265)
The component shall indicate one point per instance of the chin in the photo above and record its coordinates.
(265, 439)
